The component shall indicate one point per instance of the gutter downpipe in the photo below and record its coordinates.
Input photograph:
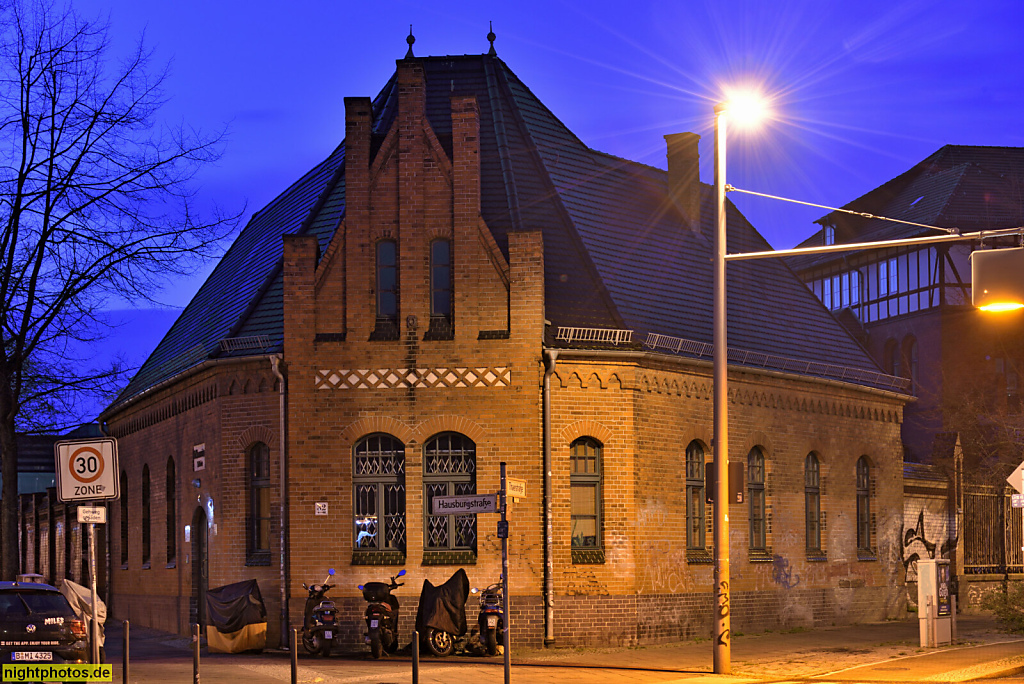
(550, 356)
(275, 361)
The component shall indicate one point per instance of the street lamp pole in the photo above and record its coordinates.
(722, 635)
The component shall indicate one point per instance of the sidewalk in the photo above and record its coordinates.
(877, 652)
(886, 651)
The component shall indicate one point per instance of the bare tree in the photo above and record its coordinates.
(96, 205)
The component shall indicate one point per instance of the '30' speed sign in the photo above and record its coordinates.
(87, 470)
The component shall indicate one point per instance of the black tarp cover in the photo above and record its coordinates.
(233, 606)
(444, 607)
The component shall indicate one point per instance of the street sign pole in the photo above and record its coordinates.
(503, 528)
(94, 631)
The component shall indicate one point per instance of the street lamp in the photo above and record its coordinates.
(997, 285)
(742, 109)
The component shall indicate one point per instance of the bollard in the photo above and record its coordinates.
(124, 653)
(415, 657)
(195, 653)
(952, 635)
(295, 656)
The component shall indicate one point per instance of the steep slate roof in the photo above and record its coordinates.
(959, 186)
(617, 255)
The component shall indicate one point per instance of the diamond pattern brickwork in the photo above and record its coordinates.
(405, 378)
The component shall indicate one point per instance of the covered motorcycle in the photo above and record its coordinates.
(238, 618)
(441, 616)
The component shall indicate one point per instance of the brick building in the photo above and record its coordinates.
(461, 283)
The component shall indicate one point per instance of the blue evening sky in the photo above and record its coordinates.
(862, 90)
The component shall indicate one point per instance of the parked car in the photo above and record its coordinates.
(37, 624)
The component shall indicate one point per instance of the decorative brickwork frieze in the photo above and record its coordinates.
(406, 378)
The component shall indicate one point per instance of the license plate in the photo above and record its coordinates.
(374, 624)
(492, 621)
(328, 634)
(32, 656)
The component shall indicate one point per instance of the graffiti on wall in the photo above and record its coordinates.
(782, 573)
(918, 535)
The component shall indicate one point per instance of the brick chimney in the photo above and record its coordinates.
(684, 176)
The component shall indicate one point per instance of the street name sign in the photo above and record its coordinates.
(467, 503)
(1017, 500)
(1016, 478)
(515, 488)
(87, 470)
(92, 514)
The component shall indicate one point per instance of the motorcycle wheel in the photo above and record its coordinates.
(325, 646)
(375, 645)
(492, 642)
(317, 642)
(390, 641)
(440, 642)
(308, 644)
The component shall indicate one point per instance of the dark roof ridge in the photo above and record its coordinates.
(556, 197)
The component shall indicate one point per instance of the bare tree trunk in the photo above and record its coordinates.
(10, 556)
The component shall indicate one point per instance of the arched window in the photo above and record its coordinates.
(449, 469)
(812, 503)
(585, 495)
(755, 493)
(695, 496)
(172, 512)
(440, 290)
(378, 477)
(829, 234)
(258, 521)
(124, 519)
(386, 281)
(910, 361)
(146, 520)
(863, 504)
(891, 359)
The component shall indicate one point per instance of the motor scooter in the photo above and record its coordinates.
(381, 615)
(492, 617)
(319, 618)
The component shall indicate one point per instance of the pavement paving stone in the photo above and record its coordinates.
(881, 652)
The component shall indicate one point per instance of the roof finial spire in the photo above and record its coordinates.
(410, 40)
(491, 37)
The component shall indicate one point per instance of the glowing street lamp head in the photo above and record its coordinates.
(745, 108)
(997, 279)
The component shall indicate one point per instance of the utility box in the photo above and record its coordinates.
(934, 603)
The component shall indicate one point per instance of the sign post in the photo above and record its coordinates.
(503, 533)
(87, 471)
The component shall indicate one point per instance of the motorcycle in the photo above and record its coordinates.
(319, 618)
(381, 615)
(441, 616)
(492, 617)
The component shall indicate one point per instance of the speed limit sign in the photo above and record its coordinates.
(87, 470)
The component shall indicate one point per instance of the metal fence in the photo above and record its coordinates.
(992, 534)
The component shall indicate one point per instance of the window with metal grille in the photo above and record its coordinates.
(258, 522)
(863, 504)
(378, 478)
(755, 494)
(124, 519)
(695, 532)
(585, 493)
(171, 492)
(449, 469)
(812, 502)
(146, 547)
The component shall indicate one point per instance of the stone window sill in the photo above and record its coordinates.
(588, 556)
(463, 557)
(378, 558)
